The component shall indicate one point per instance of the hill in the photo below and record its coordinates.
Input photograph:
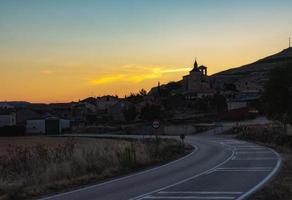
(252, 76)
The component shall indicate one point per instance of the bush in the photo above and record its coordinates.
(265, 135)
(151, 112)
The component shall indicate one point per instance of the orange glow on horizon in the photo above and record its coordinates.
(73, 81)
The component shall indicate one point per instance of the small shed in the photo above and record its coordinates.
(47, 126)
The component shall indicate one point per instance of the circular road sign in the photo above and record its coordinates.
(156, 124)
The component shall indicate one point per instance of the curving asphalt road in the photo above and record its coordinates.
(218, 168)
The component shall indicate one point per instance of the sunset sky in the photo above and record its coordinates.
(59, 51)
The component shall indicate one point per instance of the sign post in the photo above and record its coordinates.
(156, 124)
(182, 137)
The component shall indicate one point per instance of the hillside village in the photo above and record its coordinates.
(197, 97)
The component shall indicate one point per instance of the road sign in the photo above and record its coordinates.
(156, 124)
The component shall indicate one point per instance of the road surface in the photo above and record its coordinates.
(218, 168)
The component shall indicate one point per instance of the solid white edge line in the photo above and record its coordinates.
(255, 159)
(197, 192)
(254, 152)
(188, 197)
(185, 180)
(260, 184)
(242, 170)
(196, 148)
(223, 168)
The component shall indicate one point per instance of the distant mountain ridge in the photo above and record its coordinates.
(255, 73)
(283, 56)
(16, 103)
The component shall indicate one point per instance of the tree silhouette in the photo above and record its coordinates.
(130, 113)
(277, 97)
(151, 112)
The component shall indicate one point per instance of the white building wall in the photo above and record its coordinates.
(8, 120)
(64, 124)
(36, 126)
(233, 105)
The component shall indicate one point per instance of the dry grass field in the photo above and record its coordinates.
(32, 166)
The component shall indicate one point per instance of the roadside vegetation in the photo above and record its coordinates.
(44, 165)
(277, 98)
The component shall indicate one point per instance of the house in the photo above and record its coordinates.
(62, 110)
(116, 112)
(81, 111)
(47, 126)
(7, 118)
(244, 99)
(4, 105)
(105, 102)
(23, 115)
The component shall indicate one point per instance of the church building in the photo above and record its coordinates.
(196, 84)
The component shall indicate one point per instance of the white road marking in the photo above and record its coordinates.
(260, 184)
(197, 192)
(266, 178)
(239, 168)
(242, 170)
(264, 169)
(254, 152)
(184, 180)
(249, 148)
(187, 197)
(255, 158)
(235, 143)
(252, 149)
